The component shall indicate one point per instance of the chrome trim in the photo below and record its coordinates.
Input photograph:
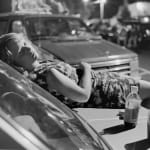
(129, 66)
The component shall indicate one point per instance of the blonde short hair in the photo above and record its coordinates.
(20, 40)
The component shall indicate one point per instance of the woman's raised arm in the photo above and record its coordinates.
(69, 88)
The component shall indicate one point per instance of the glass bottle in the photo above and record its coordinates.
(132, 107)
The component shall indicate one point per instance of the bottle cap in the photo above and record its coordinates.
(134, 89)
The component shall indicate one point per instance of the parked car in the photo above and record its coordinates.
(33, 119)
(69, 39)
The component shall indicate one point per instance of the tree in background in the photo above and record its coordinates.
(28, 5)
(57, 7)
(123, 12)
(73, 7)
(53, 6)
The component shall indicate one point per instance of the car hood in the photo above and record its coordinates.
(107, 123)
(55, 120)
(74, 52)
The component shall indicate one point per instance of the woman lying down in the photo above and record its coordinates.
(76, 87)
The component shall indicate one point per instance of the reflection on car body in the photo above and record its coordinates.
(31, 118)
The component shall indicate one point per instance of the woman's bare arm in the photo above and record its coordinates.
(69, 88)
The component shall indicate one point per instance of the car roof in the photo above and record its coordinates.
(35, 14)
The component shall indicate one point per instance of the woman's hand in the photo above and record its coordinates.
(84, 65)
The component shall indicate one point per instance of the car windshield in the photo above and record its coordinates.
(55, 27)
(50, 121)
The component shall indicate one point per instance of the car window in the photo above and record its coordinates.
(3, 26)
(56, 27)
(77, 25)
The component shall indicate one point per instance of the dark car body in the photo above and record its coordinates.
(68, 38)
(33, 119)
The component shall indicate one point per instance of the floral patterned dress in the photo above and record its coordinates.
(109, 90)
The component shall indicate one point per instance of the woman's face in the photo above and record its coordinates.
(25, 58)
(21, 53)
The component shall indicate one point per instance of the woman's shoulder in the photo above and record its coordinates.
(67, 70)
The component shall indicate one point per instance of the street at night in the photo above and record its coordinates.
(75, 74)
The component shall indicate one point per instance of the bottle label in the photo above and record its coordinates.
(131, 111)
(131, 115)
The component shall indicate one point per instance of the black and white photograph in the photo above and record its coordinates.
(74, 74)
